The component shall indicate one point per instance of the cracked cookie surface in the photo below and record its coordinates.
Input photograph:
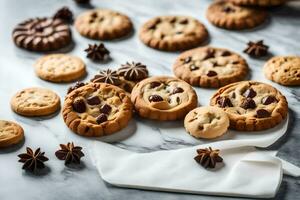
(206, 122)
(10, 133)
(97, 109)
(59, 68)
(251, 105)
(210, 67)
(163, 98)
(284, 70)
(227, 15)
(173, 33)
(103, 24)
(35, 102)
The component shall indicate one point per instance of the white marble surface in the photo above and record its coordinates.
(281, 33)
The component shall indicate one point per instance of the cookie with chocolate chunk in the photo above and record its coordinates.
(163, 98)
(97, 109)
(225, 14)
(103, 24)
(264, 3)
(173, 33)
(42, 34)
(210, 67)
(284, 70)
(251, 105)
(206, 122)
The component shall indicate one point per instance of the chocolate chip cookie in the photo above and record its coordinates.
(103, 24)
(251, 105)
(97, 109)
(10, 133)
(206, 122)
(163, 98)
(225, 14)
(42, 34)
(265, 3)
(173, 33)
(35, 102)
(284, 70)
(210, 67)
(60, 68)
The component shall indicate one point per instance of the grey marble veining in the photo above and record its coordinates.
(281, 33)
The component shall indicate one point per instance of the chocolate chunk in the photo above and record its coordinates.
(225, 53)
(105, 109)
(262, 113)
(228, 9)
(233, 95)
(154, 84)
(193, 67)
(224, 102)
(248, 103)
(183, 21)
(79, 105)
(155, 98)
(101, 118)
(94, 100)
(250, 93)
(187, 60)
(268, 100)
(210, 53)
(211, 73)
(177, 90)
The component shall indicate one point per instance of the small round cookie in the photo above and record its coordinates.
(251, 105)
(227, 15)
(210, 67)
(103, 24)
(284, 70)
(265, 3)
(35, 102)
(206, 122)
(163, 98)
(97, 109)
(60, 68)
(42, 34)
(173, 33)
(10, 133)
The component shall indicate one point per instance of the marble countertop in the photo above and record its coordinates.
(281, 33)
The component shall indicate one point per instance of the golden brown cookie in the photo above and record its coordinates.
(60, 68)
(206, 122)
(42, 34)
(225, 14)
(103, 24)
(173, 33)
(10, 133)
(35, 102)
(97, 109)
(265, 3)
(210, 67)
(284, 70)
(163, 98)
(251, 105)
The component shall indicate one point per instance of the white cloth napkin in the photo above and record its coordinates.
(245, 171)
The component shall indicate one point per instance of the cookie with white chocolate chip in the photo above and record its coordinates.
(210, 67)
(206, 122)
(103, 24)
(163, 98)
(97, 109)
(251, 105)
(173, 33)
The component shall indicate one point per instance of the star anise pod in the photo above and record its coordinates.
(69, 153)
(97, 52)
(64, 14)
(33, 160)
(133, 71)
(256, 49)
(76, 86)
(107, 76)
(208, 157)
(82, 1)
